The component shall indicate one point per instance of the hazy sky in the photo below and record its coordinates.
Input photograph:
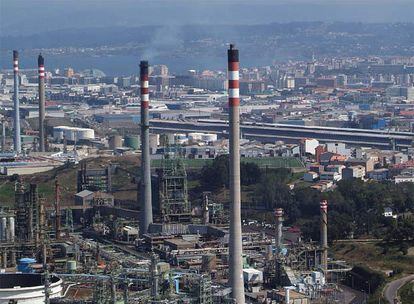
(21, 17)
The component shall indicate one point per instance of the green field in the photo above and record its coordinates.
(269, 162)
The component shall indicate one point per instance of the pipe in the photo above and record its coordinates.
(17, 139)
(279, 232)
(235, 241)
(324, 235)
(41, 65)
(146, 198)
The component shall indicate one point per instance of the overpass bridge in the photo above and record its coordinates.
(291, 133)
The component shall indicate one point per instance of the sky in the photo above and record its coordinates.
(24, 17)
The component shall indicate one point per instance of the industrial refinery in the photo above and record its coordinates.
(97, 252)
(290, 183)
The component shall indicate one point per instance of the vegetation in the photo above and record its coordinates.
(406, 293)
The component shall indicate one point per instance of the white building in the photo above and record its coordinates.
(338, 148)
(309, 146)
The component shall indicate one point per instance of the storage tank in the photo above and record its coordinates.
(115, 141)
(27, 288)
(25, 265)
(11, 229)
(132, 141)
(154, 142)
(3, 229)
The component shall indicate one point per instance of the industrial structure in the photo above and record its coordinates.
(41, 65)
(17, 139)
(146, 196)
(324, 235)
(173, 193)
(235, 242)
(264, 132)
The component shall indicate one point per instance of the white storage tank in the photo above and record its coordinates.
(73, 133)
(11, 229)
(27, 288)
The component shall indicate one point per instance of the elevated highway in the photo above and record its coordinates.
(291, 133)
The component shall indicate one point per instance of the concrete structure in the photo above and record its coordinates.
(324, 235)
(17, 143)
(27, 288)
(146, 196)
(41, 65)
(279, 232)
(235, 240)
(292, 133)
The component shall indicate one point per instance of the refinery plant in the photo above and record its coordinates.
(96, 252)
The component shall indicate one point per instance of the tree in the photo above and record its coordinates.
(216, 175)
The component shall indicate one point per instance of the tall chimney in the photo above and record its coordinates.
(235, 241)
(57, 209)
(324, 234)
(17, 142)
(279, 225)
(41, 65)
(3, 136)
(146, 198)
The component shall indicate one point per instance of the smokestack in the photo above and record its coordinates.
(17, 143)
(57, 209)
(235, 241)
(279, 233)
(146, 198)
(324, 234)
(3, 137)
(41, 65)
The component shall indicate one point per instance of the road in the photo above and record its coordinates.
(391, 289)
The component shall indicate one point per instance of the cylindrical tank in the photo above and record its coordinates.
(71, 266)
(115, 141)
(27, 288)
(3, 228)
(154, 142)
(132, 141)
(25, 265)
(11, 229)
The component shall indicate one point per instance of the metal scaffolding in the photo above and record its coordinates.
(173, 195)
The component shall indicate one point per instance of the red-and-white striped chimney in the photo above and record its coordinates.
(146, 197)
(41, 66)
(17, 139)
(235, 240)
